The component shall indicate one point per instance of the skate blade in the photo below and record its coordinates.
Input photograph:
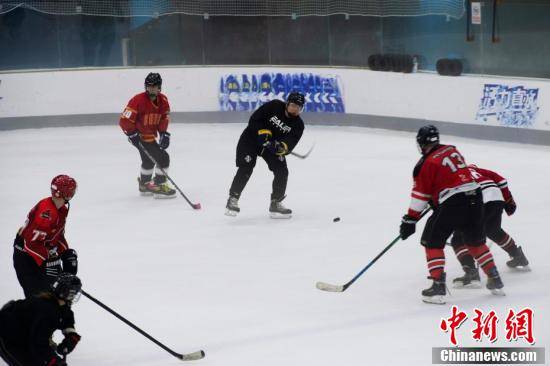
(438, 299)
(277, 215)
(146, 194)
(497, 292)
(471, 286)
(521, 268)
(230, 213)
(163, 196)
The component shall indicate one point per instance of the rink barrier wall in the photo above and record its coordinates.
(518, 135)
(508, 109)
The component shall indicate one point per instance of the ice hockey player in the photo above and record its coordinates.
(442, 177)
(145, 117)
(27, 326)
(496, 198)
(41, 251)
(273, 131)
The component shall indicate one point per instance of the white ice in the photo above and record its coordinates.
(243, 289)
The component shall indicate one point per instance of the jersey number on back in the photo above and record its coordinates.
(454, 161)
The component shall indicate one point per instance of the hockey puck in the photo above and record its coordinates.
(336, 219)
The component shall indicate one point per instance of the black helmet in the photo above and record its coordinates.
(153, 79)
(427, 135)
(296, 98)
(67, 287)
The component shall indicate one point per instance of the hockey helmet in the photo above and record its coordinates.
(427, 135)
(153, 79)
(296, 98)
(63, 186)
(67, 287)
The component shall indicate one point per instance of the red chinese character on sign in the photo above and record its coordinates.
(520, 325)
(485, 326)
(453, 323)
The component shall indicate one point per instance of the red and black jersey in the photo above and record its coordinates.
(146, 116)
(438, 175)
(494, 186)
(44, 231)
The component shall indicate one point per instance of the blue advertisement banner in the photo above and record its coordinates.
(509, 106)
(246, 92)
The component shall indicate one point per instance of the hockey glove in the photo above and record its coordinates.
(164, 140)
(276, 147)
(264, 136)
(68, 344)
(510, 206)
(69, 259)
(56, 361)
(134, 138)
(408, 226)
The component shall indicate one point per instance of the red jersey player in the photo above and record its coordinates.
(41, 251)
(145, 117)
(496, 199)
(442, 177)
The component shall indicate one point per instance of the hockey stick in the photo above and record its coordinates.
(184, 357)
(304, 156)
(196, 206)
(323, 286)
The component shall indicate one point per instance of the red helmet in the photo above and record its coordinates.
(64, 187)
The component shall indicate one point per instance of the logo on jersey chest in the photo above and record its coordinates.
(280, 124)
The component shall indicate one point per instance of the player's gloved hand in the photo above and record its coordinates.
(164, 140)
(69, 259)
(56, 361)
(276, 147)
(68, 344)
(134, 138)
(408, 226)
(510, 206)
(264, 136)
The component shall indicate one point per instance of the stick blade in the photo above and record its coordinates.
(197, 206)
(192, 356)
(323, 286)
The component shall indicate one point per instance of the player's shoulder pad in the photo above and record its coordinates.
(46, 210)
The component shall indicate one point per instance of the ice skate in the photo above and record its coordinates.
(494, 283)
(278, 211)
(436, 293)
(232, 206)
(519, 262)
(142, 186)
(470, 280)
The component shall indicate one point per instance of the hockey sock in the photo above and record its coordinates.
(160, 178)
(463, 256)
(280, 180)
(239, 182)
(483, 257)
(146, 175)
(506, 242)
(436, 262)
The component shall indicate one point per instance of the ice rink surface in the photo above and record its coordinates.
(243, 289)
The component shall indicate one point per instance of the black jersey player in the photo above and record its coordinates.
(273, 131)
(26, 326)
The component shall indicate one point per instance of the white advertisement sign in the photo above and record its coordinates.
(517, 103)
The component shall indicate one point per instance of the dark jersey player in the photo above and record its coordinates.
(273, 131)
(41, 251)
(27, 326)
(145, 117)
(442, 177)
